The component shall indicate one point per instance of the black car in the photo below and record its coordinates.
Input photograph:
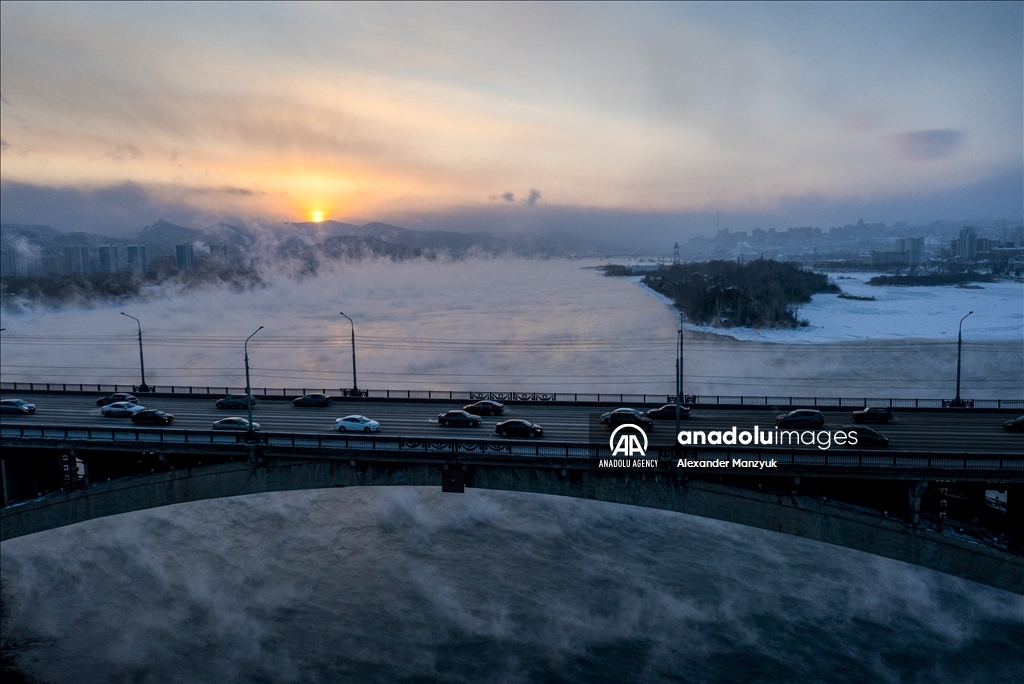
(16, 406)
(517, 427)
(485, 408)
(624, 416)
(872, 414)
(153, 417)
(800, 418)
(668, 412)
(119, 396)
(312, 400)
(234, 401)
(866, 437)
(1015, 425)
(458, 417)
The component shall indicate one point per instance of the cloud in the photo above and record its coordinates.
(125, 151)
(931, 144)
(532, 198)
(507, 196)
(4, 145)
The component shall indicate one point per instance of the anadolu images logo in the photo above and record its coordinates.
(628, 443)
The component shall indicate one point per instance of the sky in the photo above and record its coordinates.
(648, 118)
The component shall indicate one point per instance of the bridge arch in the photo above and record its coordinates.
(788, 514)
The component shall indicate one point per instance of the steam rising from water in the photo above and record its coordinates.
(408, 583)
(483, 324)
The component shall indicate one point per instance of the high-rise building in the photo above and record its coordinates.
(76, 259)
(135, 258)
(111, 259)
(967, 244)
(913, 248)
(185, 256)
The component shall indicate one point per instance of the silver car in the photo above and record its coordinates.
(122, 409)
(235, 423)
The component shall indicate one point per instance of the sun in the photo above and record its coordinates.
(316, 216)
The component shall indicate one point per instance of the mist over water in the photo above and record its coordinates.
(499, 324)
(408, 584)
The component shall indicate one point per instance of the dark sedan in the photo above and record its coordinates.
(1015, 425)
(872, 414)
(624, 416)
(800, 418)
(234, 401)
(668, 412)
(312, 400)
(153, 417)
(485, 408)
(458, 417)
(866, 437)
(16, 406)
(119, 396)
(518, 428)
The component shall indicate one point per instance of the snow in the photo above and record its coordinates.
(898, 313)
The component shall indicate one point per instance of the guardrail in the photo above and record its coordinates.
(482, 447)
(540, 397)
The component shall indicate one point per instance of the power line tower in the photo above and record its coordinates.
(675, 255)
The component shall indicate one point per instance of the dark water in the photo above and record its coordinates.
(411, 585)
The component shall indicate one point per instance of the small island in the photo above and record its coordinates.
(726, 294)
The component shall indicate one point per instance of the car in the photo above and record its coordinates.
(235, 423)
(310, 400)
(866, 436)
(1015, 425)
(624, 416)
(122, 409)
(800, 418)
(872, 414)
(517, 427)
(668, 412)
(117, 396)
(356, 424)
(234, 401)
(458, 417)
(16, 406)
(485, 408)
(153, 416)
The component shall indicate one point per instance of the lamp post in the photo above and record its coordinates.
(679, 370)
(959, 344)
(355, 383)
(248, 391)
(142, 363)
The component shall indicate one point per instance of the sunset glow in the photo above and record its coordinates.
(683, 108)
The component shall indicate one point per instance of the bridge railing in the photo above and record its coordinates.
(513, 396)
(146, 437)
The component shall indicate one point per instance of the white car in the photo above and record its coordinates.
(122, 409)
(235, 423)
(356, 424)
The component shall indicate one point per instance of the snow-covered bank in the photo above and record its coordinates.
(897, 313)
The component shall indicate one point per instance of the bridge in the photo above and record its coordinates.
(948, 496)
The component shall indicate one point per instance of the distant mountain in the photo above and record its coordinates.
(10, 229)
(169, 233)
(313, 233)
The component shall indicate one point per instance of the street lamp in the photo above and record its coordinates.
(355, 384)
(959, 344)
(248, 392)
(142, 363)
(679, 370)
